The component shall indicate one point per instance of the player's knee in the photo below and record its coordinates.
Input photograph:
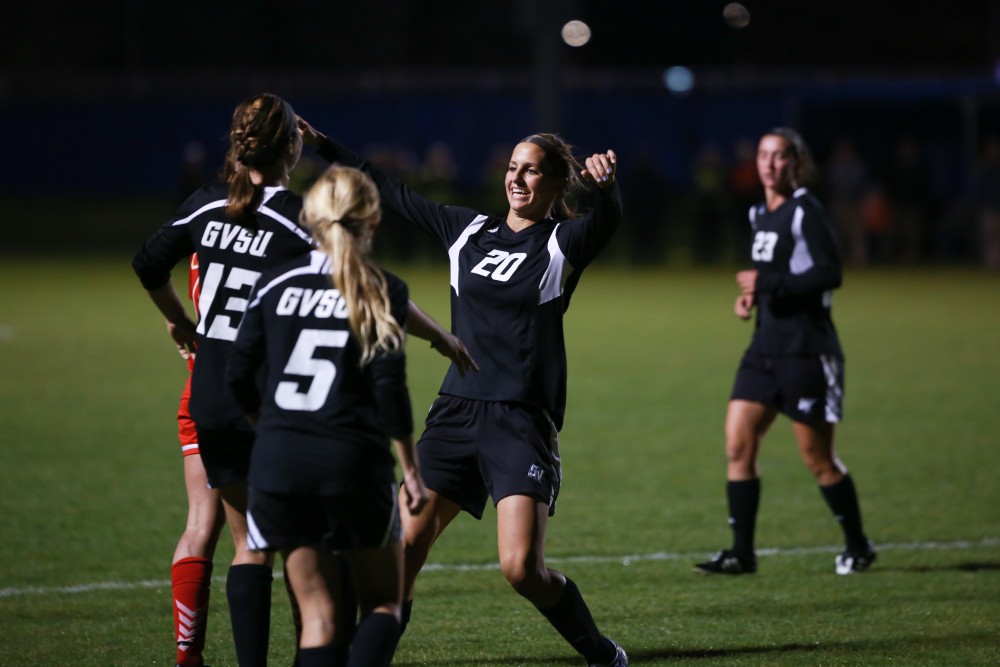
(514, 571)
(522, 575)
(821, 467)
(739, 449)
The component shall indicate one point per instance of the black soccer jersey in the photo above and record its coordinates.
(797, 259)
(231, 258)
(323, 417)
(509, 290)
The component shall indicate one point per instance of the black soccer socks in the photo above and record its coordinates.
(248, 588)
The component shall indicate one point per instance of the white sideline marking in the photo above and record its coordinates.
(958, 545)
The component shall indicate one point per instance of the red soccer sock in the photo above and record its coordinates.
(190, 579)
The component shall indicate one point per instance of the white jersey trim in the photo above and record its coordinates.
(318, 263)
(219, 203)
(556, 273)
(459, 243)
(801, 260)
(269, 212)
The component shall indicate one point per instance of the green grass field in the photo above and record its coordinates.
(92, 497)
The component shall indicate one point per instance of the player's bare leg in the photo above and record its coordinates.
(816, 444)
(746, 424)
(420, 532)
(521, 525)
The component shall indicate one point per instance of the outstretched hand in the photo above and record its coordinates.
(600, 169)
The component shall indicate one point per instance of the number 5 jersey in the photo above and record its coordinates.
(324, 417)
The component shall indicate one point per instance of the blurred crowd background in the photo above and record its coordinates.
(115, 110)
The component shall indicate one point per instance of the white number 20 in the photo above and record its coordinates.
(302, 362)
(763, 246)
(506, 264)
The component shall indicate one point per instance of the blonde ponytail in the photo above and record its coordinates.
(342, 210)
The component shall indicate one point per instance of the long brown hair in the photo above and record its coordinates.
(341, 210)
(805, 166)
(562, 164)
(263, 126)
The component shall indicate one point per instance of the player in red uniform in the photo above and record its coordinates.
(191, 571)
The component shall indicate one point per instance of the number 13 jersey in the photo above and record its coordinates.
(231, 258)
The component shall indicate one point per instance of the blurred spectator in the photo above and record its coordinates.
(396, 239)
(745, 187)
(194, 171)
(847, 180)
(908, 185)
(876, 220)
(437, 177)
(988, 202)
(643, 188)
(305, 173)
(711, 206)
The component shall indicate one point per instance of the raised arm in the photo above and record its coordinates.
(444, 222)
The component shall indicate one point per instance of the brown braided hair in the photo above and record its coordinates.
(263, 126)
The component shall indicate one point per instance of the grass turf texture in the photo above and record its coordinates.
(93, 500)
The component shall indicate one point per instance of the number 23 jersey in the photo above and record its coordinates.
(798, 266)
(231, 258)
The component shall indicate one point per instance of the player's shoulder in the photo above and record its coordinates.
(305, 267)
(209, 195)
(806, 200)
(283, 198)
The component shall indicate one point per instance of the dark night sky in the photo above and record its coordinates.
(135, 35)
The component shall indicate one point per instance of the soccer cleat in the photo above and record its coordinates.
(850, 562)
(727, 562)
(620, 659)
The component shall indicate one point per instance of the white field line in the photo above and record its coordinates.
(958, 545)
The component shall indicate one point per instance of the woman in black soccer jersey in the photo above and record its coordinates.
(328, 330)
(238, 227)
(494, 432)
(794, 364)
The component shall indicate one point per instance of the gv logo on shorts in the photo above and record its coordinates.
(535, 473)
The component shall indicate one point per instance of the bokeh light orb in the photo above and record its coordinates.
(576, 33)
(678, 79)
(736, 15)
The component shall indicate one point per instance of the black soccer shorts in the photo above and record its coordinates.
(473, 449)
(807, 389)
(225, 454)
(365, 518)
